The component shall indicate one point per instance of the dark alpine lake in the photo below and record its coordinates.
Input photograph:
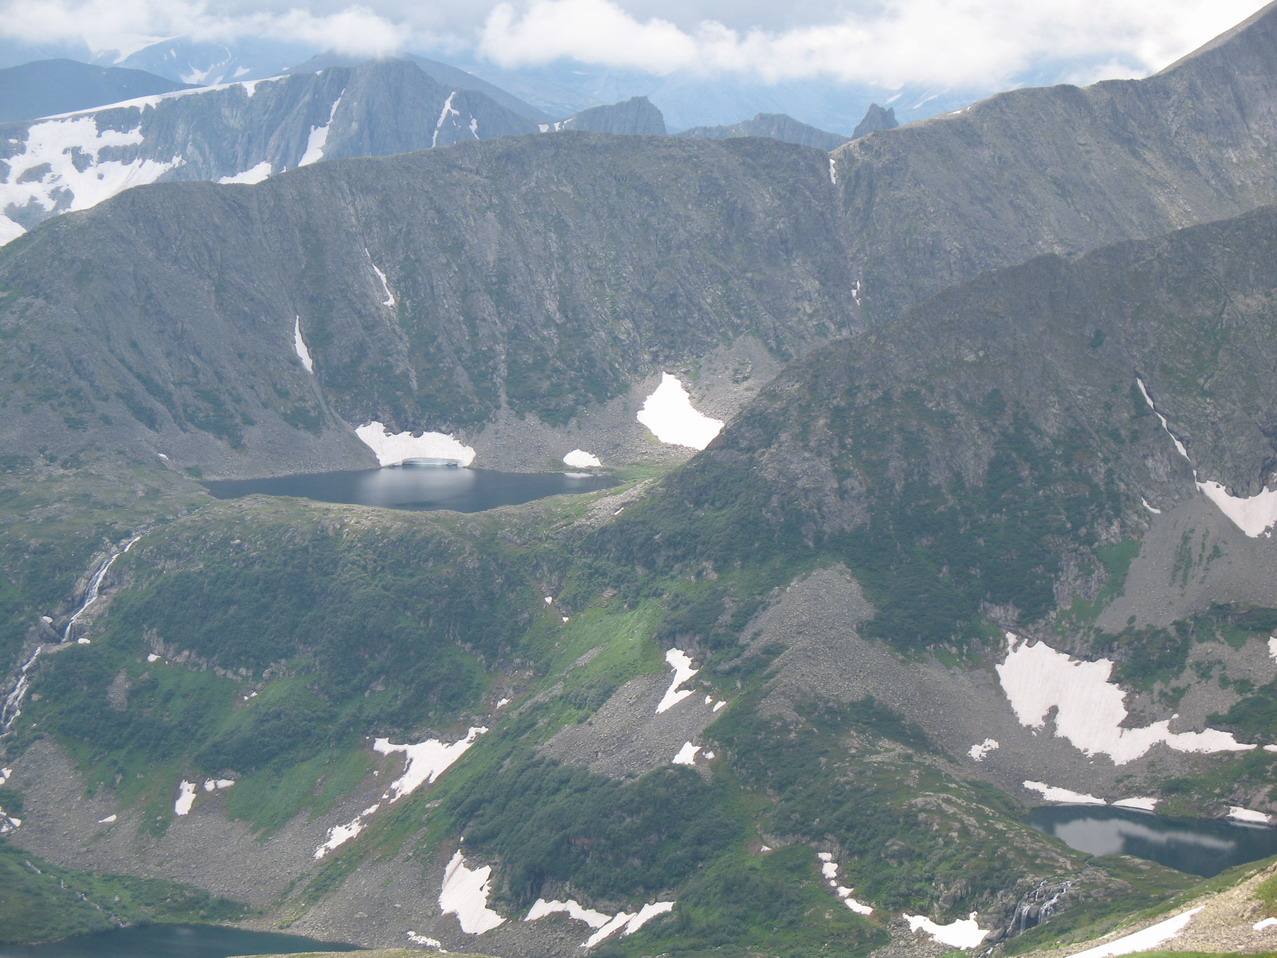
(1202, 847)
(417, 487)
(171, 941)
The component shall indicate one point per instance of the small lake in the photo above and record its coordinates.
(1200, 847)
(417, 487)
(172, 941)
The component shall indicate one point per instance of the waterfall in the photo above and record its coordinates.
(95, 586)
(12, 706)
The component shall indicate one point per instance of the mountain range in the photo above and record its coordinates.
(982, 519)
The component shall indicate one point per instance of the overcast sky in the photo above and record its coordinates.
(959, 43)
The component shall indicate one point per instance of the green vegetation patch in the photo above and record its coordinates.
(40, 901)
(774, 904)
(549, 822)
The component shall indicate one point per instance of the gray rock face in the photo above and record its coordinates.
(778, 126)
(637, 116)
(876, 118)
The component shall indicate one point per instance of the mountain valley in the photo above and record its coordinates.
(975, 515)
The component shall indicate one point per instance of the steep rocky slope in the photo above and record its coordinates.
(545, 276)
(1063, 169)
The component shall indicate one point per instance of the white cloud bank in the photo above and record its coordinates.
(980, 44)
(943, 42)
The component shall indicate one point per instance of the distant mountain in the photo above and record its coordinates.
(237, 133)
(694, 100)
(876, 118)
(449, 76)
(206, 63)
(47, 87)
(635, 117)
(777, 126)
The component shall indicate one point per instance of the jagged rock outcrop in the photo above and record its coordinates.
(876, 118)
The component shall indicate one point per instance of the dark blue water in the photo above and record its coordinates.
(172, 941)
(419, 487)
(1200, 847)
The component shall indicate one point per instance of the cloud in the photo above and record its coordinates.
(888, 43)
(954, 43)
(119, 24)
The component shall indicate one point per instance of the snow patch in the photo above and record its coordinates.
(318, 138)
(1179, 446)
(474, 126)
(964, 933)
(573, 909)
(60, 169)
(465, 894)
(4, 775)
(1053, 793)
(978, 752)
(417, 939)
(628, 924)
(1253, 516)
(829, 869)
(833, 171)
(687, 754)
(8, 823)
(1265, 923)
(669, 415)
(1090, 709)
(389, 301)
(185, 798)
(254, 174)
(216, 784)
(1156, 512)
(1150, 937)
(299, 347)
(580, 459)
(152, 657)
(109, 820)
(443, 116)
(1240, 814)
(1138, 803)
(681, 663)
(424, 762)
(393, 449)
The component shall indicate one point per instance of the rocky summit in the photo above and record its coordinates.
(940, 467)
